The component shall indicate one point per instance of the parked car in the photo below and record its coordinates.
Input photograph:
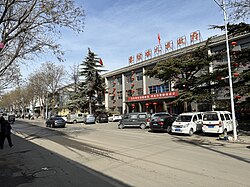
(217, 122)
(89, 118)
(161, 121)
(55, 121)
(102, 118)
(137, 119)
(156, 115)
(188, 123)
(75, 118)
(114, 117)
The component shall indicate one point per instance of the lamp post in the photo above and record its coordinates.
(229, 68)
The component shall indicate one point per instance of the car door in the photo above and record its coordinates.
(194, 123)
(228, 122)
(133, 120)
(199, 122)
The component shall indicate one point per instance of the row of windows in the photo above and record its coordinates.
(130, 78)
(158, 88)
(139, 91)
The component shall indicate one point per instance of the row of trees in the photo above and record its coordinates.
(40, 86)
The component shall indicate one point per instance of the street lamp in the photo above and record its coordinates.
(229, 68)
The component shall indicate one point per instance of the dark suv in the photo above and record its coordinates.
(102, 118)
(137, 119)
(161, 121)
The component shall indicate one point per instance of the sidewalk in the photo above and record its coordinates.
(27, 165)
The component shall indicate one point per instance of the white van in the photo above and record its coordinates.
(217, 122)
(75, 118)
(187, 123)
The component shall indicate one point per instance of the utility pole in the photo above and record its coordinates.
(229, 68)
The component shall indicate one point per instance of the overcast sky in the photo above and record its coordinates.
(117, 29)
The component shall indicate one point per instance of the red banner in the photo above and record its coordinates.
(154, 96)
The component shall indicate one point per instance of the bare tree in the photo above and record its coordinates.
(31, 27)
(52, 77)
(240, 9)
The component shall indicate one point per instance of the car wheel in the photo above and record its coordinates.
(97, 121)
(74, 121)
(143, 126)
(169, 129)
(191, 132)
(120, 126)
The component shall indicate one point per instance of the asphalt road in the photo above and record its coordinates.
(129, 156)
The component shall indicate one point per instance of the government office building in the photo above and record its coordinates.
(129, 90)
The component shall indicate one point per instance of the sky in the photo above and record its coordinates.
(118, 29)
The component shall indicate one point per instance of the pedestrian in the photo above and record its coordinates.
(5, 132)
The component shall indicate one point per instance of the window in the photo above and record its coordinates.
(195, 118)
(245, 45)
(119, 95)
(139, 76)
(158, 88)
(222, 117)
(139, 91)
(199, 116)
(210, 117)
(119, 81)
(227, 117)
(129, 78)
(129, 93)
(133, 116)
(142, 116)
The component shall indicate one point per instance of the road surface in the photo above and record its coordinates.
(137, 157)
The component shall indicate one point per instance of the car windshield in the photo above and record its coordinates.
(160, 115)
(58, 118)
(103, 115)
(210, 117)
(184, 118)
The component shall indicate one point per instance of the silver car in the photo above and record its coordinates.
(89, 118)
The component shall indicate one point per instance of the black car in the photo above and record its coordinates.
(161, 122)
(102, 118)
(55, 121)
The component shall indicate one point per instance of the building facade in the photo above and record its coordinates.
(129, 90)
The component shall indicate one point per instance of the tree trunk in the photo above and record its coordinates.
(185, 106)
(90, 107)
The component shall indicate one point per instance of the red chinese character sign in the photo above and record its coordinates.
(157, 50)
(139, 57)
(169, 46)
(181, 41)
(148, 54)
(131, 59)
(154, 96)
(195, 37)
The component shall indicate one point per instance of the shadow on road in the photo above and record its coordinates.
(29, 164)
(204, 144)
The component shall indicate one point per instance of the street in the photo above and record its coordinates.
(136, 157)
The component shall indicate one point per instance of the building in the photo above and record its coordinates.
(129, 90)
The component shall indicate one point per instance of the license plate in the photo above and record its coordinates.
(155, 124)
(210, 126)
(177, 129)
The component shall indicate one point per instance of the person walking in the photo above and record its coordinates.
(5, 132)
